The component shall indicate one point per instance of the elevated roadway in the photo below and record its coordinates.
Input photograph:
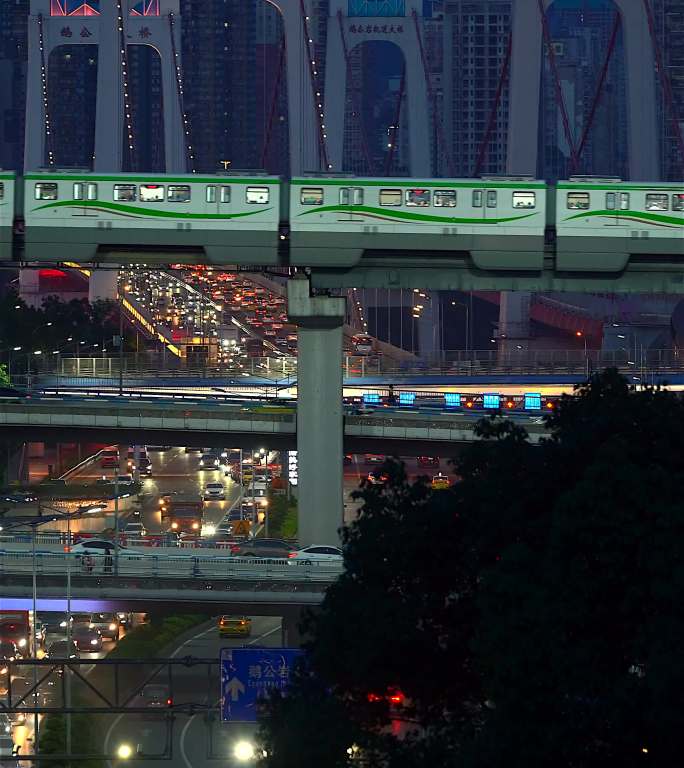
(400, 431)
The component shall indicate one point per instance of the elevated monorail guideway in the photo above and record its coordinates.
(494, 233)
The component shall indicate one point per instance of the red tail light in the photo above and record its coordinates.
(290, 555)
(169, 702)
(509, 404)
(396, 698)
(373, 697)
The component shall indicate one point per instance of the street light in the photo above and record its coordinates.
(244, 751)
(124, 751)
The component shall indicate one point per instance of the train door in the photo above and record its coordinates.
(217, 198)
(350, 197)
(616, 204)
(486, 203)
(87, 192)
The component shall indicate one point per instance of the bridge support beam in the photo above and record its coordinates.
(102, 285)
(319, 412)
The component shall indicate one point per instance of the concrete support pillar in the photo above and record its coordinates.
(102, 285)
(418, 109)
(174, 131)
(319, 412)
(428, 330)
(335, 93)
(29, 286)
(514, 322)
(291, 636)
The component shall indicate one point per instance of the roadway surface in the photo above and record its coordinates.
(191, 746)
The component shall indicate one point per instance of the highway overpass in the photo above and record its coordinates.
(397, 430)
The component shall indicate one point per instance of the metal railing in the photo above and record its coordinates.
(161, 565)
(282, 371)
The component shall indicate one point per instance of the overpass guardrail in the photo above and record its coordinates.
(162, 565)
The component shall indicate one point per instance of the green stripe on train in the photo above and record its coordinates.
(395, 183)
(148, 212)
(646, 218)
(406, 216)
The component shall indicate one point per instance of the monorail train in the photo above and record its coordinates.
(506, 223)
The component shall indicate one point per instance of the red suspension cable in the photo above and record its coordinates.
(395, 125)
(503, 78)
(599, 88)
(356, 107)
(274, 103)
(556, 77)
(665, 82)
(437, 122)
(315, 92)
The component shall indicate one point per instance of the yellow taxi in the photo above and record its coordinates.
(234, 626)
(440, 481)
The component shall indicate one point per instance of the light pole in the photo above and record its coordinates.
(580, 335)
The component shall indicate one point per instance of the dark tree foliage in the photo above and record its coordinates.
(532, 615)
(50, 327)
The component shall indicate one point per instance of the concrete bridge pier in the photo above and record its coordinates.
(319, 412)
(103, 285)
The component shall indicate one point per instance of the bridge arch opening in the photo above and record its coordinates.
(236, 88)
(147, 110)
(376, 126)
(71, 93)
(583, 118)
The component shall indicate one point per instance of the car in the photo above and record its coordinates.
(209, 461)
(95, 547)
(194, 449)
(55, 623)
(376, 477)
(428, 461)
(19, 497)
(263, 548)
(374, 458)
(440, 482)
(348, 459)
(134, 530)
(234, 626)
(63, 649)
(107, 624)
(316, 553)
(5, 724)
(86, 639)
(8, 652)
(155, 696)
(126, 479)
(109, 459)
(214, 491)
(125, 618)
(159, 448)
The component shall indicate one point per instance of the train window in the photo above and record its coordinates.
(124, 192)
(624, 201)
(611, 198)
(524, 200)
(678, 202)
(151, 193)
(257, 195)
(2, 190)
(311, 196)
(477, 198)
(178, 193)
(390, 197)
(225, 193)
(491, 198)
(657, 202)
(45, 191)
(418, 198)
(578, 201)
(210, 196)
(79, 190)
(351, 196)
(445, 198)
(91, 191)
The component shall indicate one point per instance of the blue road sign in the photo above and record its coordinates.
(249, 673)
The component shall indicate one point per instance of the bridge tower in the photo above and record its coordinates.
(352, 22)
(112, 25)
(525, 78)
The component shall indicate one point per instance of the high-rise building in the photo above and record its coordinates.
(13, 52)
(219, 55)
(475, 43)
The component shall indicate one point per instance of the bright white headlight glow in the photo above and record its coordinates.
(244, 751)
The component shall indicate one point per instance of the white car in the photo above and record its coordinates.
(214, 492)
(316, 553)
(135, 530)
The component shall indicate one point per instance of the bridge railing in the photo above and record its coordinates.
(163, 565)
(282, 371)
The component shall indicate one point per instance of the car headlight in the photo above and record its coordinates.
(91, 626)
(112, 627)
(22, 642)
(94, 641)
(62, 623)
(195, 526)
(174, 526)
(3, 671)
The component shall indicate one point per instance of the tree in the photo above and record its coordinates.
(531, 615)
